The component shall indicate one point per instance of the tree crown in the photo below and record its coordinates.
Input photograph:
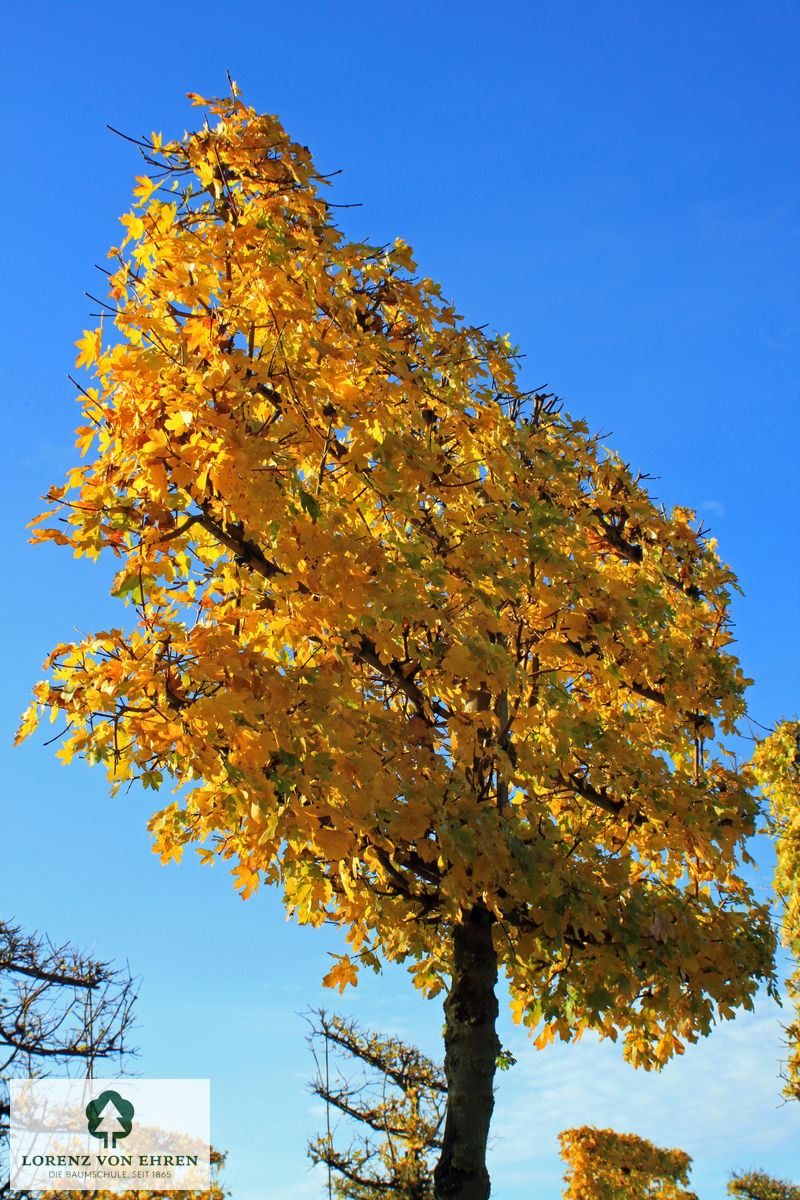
(776, 762)
(409, 638)
(605, 1165)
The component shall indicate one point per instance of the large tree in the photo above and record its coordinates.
(420, 650)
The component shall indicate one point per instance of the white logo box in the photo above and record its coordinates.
(150, 1135)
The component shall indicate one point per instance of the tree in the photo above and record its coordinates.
(58, 1007)
(605, 1165)
(755, 1185)
(400, 1098)
(418, 648)
(777, 765)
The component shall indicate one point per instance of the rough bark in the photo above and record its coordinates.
(471, 1048)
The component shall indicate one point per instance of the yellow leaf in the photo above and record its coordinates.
(342, 973)
(89, 346)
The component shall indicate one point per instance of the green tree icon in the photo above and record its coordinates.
(110, 1117)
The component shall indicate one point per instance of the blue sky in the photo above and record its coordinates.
(614, 184)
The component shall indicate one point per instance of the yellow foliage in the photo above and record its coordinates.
(408, 638)
(776, 763)
(605, 1165)
(344, 971)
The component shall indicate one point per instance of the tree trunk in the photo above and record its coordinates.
(471, 1048)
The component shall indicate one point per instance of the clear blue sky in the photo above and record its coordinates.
(616, 185)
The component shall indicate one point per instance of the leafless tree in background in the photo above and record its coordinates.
(394, 1098)
(59, 1008)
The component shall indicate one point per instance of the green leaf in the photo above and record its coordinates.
(131, 586)
(309, 504)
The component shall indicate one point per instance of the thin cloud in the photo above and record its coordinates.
(720, 1102)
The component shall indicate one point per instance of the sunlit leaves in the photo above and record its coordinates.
(605, 1165)
(757, 1185)
(343, 972)
(776, 762)
(407, 638)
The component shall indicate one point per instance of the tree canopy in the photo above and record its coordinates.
(605, 1165)
(777, 765)
(756, 1185)
(415, 645)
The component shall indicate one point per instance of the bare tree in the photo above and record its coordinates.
(59, 1008)
(397, 1095)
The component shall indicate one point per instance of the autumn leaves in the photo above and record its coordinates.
(339, 520)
